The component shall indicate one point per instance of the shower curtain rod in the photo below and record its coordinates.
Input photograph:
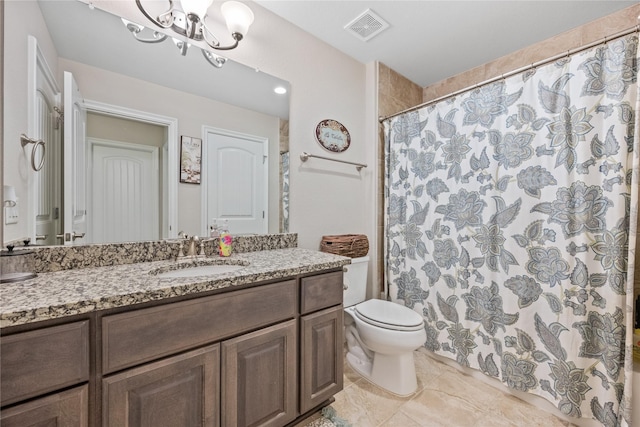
(517, 71)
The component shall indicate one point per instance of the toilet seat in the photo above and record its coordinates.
(396, 317)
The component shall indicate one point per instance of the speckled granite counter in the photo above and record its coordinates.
(69, 292)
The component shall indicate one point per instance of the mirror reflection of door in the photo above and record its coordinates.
(74, 178)
(44, 124)
(235, 168)
(124, 179)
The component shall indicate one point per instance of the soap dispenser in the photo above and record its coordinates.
(225, 240)
(214, 230)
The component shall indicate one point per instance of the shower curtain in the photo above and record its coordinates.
(510, 226)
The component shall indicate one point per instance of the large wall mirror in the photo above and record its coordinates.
(139, 97)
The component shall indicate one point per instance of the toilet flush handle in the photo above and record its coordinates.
(345, 286)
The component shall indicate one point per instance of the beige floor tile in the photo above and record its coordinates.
(428, 368)
(350, 376)
(366, 405)
(400, 419)
(520, 413)
(446, 397)
(466, 388)
(433, 407)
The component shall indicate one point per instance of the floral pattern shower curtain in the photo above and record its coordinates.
(511, 221)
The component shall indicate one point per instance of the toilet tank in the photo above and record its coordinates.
(355, 280)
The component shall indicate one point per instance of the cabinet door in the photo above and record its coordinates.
(259, 372)
(180, 391)
(68, 408)
(321, 356)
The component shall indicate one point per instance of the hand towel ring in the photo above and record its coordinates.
(24, 140)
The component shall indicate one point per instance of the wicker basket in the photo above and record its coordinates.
(349, 245)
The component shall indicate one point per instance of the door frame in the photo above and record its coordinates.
(204, 186)
(170, 161)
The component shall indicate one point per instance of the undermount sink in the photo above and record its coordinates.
(198, 269)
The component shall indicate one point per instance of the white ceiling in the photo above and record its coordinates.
(428, 41)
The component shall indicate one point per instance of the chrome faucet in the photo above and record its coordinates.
(195, 246)
(194, 242)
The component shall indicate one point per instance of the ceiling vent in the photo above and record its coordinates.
(367, 25)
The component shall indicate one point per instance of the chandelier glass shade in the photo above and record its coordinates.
(190, 21)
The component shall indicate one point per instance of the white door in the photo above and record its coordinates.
(236, 171)
(124, 192)
(44, 98)
(75, 196)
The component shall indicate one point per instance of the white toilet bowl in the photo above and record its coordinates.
(381, 337)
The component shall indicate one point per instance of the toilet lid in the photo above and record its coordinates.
(389, 315)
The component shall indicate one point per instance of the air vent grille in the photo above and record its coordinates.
(367, 25)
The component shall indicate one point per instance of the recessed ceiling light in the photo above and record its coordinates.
(280, 90)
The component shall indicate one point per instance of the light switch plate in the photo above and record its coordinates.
(11, 215)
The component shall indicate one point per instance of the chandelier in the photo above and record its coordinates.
(190, 21)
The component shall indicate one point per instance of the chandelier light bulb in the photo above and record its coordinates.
(196, 7)
(238, 17)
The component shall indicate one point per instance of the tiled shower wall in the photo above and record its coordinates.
(396, 93)
(283, 148)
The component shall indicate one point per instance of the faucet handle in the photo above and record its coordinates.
(181, 249)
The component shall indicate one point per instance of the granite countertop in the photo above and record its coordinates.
(77, 291)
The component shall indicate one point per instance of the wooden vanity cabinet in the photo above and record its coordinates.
(321, 339)
(263, 355)
(49, 369)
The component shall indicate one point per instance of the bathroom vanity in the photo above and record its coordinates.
(121, 346)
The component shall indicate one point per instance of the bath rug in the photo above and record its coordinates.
(329, 418)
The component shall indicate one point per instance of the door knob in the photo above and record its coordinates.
(68, 236)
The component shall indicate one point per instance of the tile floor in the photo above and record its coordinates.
(445, 397)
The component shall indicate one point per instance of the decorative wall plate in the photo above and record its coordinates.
(333, 136)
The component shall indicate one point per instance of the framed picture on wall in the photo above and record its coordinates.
(190, 159)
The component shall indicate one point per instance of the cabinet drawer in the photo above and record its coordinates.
(69, 408)
(43, 360)
(147, 334)
(322, 291)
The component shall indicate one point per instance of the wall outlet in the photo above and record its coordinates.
(11, 215)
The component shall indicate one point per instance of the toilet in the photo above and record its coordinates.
(381, 335)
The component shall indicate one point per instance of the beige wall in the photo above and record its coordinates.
(118, 129)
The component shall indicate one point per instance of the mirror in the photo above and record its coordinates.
(99, 50)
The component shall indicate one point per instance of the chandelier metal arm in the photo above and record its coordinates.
(236, 36)
(215, 60)
(192, 26)
(135, 31)
(168, 15)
